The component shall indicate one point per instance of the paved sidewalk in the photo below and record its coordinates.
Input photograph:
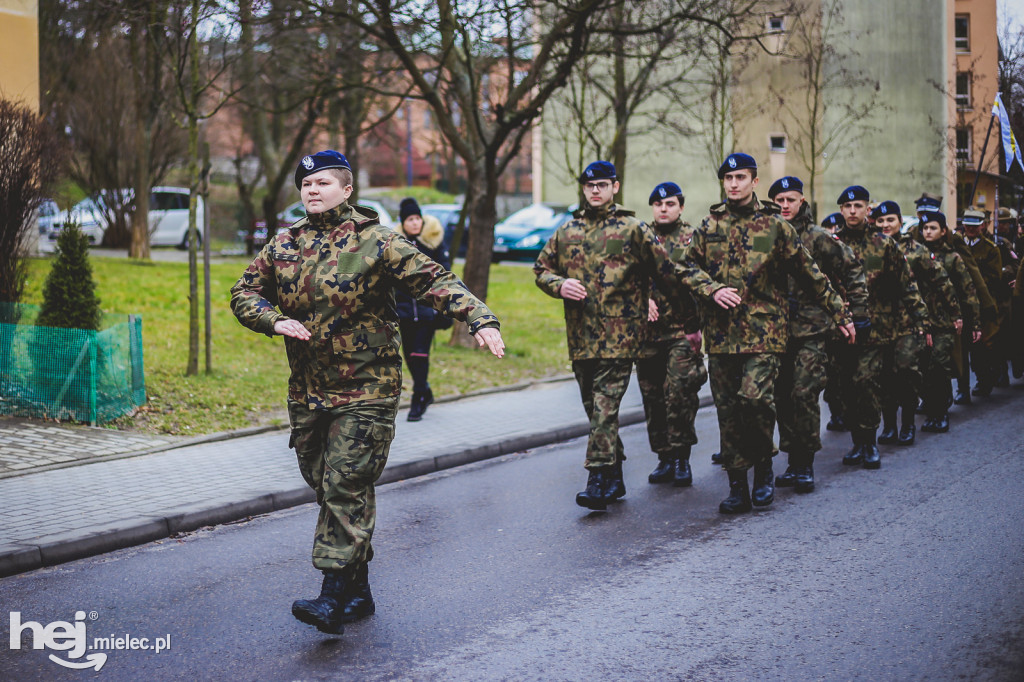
(141, 488)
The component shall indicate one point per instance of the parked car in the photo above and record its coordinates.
(46, 215)
(168, 217)
(522, 235)
(448, 215)
(295, 212)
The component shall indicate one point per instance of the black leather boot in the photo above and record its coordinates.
(417, 408)
(907, 429)
(889, 436)
(805, 477)
(963, 393)
(764, 484)
(942, 423)
(855, 456)
(428, 398)
(787, 479)
(738, 501)
(358, 600)
(325, 612)
(682, 477)
(872, 457)
(665, 470)
(616, 486)
(716, 458)
(595, 495)
(836, 423)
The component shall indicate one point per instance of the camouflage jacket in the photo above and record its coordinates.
(677, 315)
(336, 273)
(963, 286)
(754, 251)
(615, 256)
(891, 287)
(933, 284)
(844, 271)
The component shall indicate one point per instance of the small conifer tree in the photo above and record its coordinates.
(69, 293)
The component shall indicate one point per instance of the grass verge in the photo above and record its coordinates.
(247, 384)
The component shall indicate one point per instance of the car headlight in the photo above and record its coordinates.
(527, 242)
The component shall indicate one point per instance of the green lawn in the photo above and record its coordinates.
(247, 385)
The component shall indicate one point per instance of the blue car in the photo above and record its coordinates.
(522, 235)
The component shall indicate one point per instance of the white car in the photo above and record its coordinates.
(168, 217)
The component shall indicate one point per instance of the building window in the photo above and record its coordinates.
(962, 32)
(777, 143)
(776, 24)
(963, 145)
(963, 90)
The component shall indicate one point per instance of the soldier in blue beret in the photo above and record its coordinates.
(747, 253)
(327, 284)
(670, 369)
(812, 333)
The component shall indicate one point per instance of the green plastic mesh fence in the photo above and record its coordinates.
(69, 374)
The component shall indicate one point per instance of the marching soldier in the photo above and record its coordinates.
(671, 369)
(940, 367)
(803, 373)
(986, 255)
(601, 264)
(745, 254)
(327, 285)
(890, 286)
(901, 384)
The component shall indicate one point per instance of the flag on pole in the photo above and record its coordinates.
(1010, 148)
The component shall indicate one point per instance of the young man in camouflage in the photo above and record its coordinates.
(327, 284)
(803, 373)
(746, 254)
(901, 383)
(671, 369)
(601, 264)
(890, 287)
(990, 264)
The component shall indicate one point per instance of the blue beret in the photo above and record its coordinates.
(833, 220)
(599, 170)
(315, 163)
(853, 193)
(664, 191)
(886, 208)
(735, 162)
(935, 217)
(789, 183)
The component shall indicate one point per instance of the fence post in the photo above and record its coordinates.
(92, 379)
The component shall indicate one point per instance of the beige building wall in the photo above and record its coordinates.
(19, 51)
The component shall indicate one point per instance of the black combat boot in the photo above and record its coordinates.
(963, 392)
(942, 423)
(716, 458)
(417, 408)
(907, 429)
(855, 456)
(787, 479)
(616, 486)
(872, 457)
(805, 477)
(665, 470)
(358, 601)
(764, 483)
(889, 436)
(595, 495)
(682, 477)
(836, 422)
(982, 389)
(325, 612)
(738, 501)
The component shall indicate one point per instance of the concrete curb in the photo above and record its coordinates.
(57, 549)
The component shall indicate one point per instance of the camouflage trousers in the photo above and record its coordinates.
(901, 381)
(938, 367)
(603, 382)
(341, 453)
(833, 393)
(743, 388)
(802, 377)
(669, 380)
(862, 370)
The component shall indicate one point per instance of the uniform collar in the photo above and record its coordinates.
(331, 217)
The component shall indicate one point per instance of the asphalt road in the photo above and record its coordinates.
(913, 572)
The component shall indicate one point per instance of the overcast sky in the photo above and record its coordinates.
(1011, 9)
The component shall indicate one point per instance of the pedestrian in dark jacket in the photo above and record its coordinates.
(416, 320)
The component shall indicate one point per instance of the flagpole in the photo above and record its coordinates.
(977, 172)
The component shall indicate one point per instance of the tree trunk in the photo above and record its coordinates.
(192, 367)
(482, 217)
